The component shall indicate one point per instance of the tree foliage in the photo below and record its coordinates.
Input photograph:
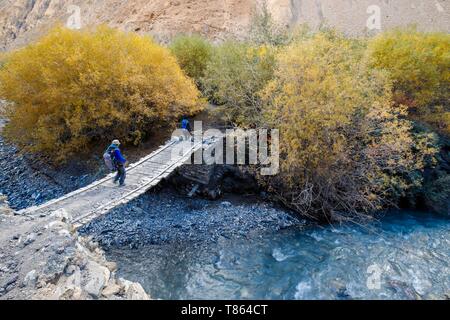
(233, 78)
(193, 54)
(73, 88)
(345, 147)
(419, 65)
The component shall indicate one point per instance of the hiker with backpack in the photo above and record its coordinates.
(115, 161)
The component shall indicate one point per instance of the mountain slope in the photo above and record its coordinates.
(22, 21)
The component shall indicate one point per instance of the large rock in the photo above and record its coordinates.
(95, 278)
(69, 288)
(30, 239)
(111, 290)
(133, 291)
(136, 292)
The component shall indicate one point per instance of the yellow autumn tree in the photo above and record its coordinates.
(345, 147)
(419, 66)
(75, 88)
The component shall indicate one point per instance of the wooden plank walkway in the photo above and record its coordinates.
(101, 196)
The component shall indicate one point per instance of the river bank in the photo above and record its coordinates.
(164, 216)
(212, 253)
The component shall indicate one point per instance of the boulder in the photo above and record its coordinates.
(74, 280)
(136, 292)
(30, 239)
(112, 266)
(133, 291)
(95, 278)
(68, 293)
(111, 290)
(70, 269)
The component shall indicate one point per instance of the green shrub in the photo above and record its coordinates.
(193, 54)
(233, 78)
(264, 30)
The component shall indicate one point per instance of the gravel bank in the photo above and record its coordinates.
(164, 216)
(28, 182)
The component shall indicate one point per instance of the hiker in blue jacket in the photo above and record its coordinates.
(119, 162)
(185, 124)
(186, 127)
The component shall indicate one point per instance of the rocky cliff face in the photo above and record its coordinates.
(22, 21)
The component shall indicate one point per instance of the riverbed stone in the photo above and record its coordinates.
(75, 278)
(70, 269)
(112, 266)
(68, 293)
(136, 292)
